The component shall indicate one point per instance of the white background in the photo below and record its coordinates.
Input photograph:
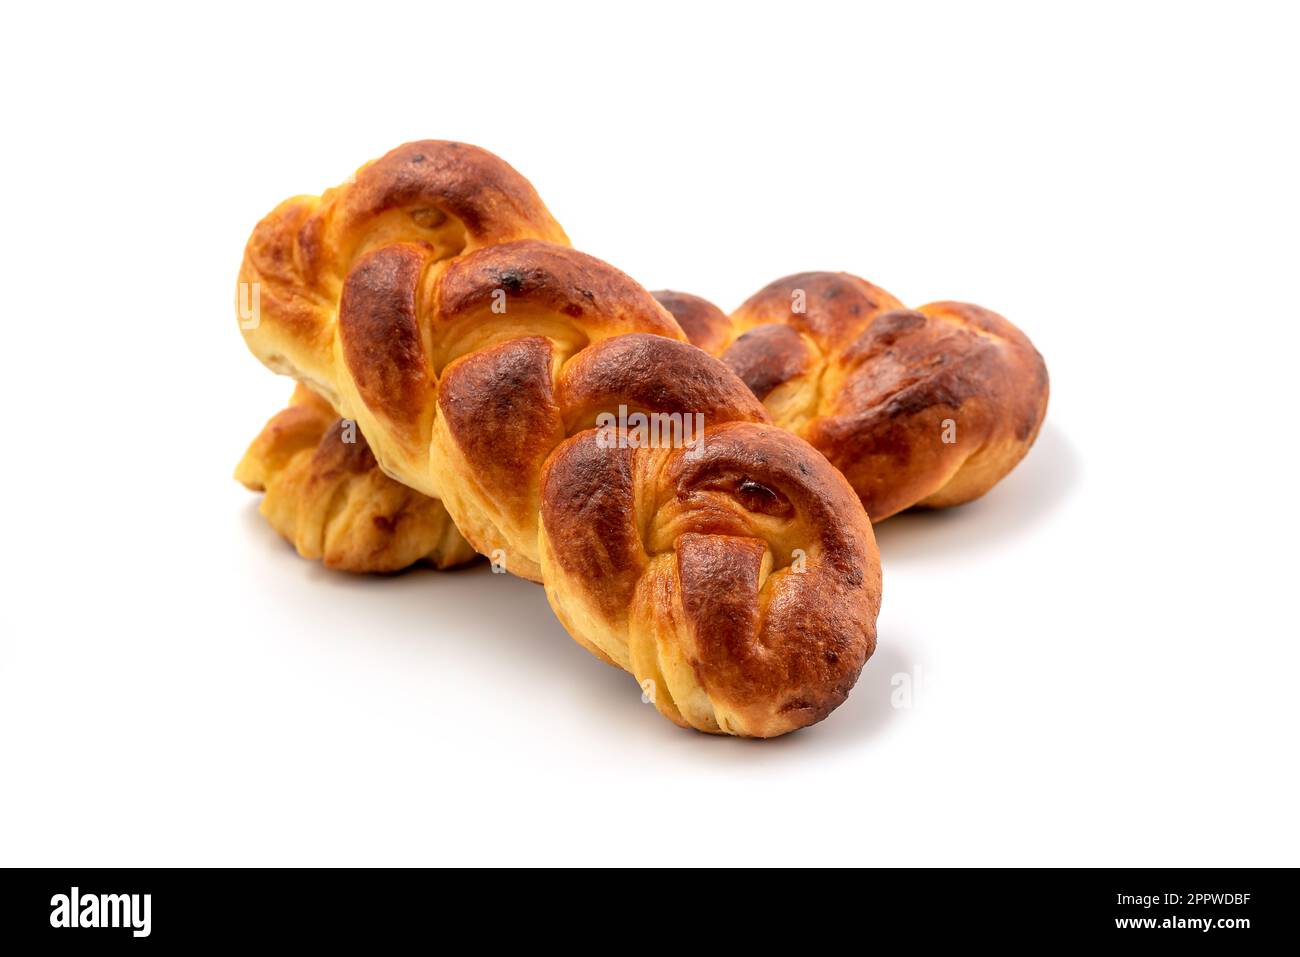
(1106, 644)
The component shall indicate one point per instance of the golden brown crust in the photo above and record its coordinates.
(446, 198)
(929, 407)
(493, 203)
(499, 411)
(382, 339)
(326, 496)
(770, 356)
(749, 595)
(589, 491)
(705, 324)
(405, 318)
(963, 410)
(469, 349)
(540, 277)
(831, 308)
(649, 373)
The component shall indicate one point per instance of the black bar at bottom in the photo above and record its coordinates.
(375, 908)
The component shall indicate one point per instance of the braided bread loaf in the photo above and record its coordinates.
(431, 301)
(928, 407)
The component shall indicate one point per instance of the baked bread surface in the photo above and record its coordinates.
(734, 574)
(325, 494)
(928, 407)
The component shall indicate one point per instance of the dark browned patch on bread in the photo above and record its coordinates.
(654, 374)
(719, 587)
(588, 509)
(912, 376)
(767, 357)
(831, 307)
(536, 275)
(380, 333)
(499, 406)
(1025, 379)
(705, 325)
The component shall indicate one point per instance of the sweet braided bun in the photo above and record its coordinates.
(735, 570)
(928, 407)
(327, 497)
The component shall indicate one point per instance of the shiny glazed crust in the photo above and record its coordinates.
(928, 407)
(742, 592)
(480, 361)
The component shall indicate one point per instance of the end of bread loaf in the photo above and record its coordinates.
(325, 494)
(446, 198)
(929, 407)
(741, 589)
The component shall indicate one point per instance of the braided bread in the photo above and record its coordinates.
(928, 407)
(327, 496)
(432, 300)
